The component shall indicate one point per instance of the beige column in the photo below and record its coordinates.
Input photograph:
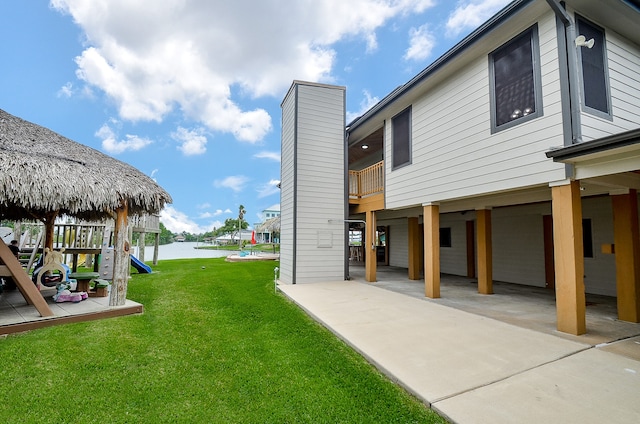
(485, 252)
(627, 252)
(568, 257)
(414, 248)
(432, 250)
(370, 259)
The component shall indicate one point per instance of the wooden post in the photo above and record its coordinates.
(431, 250)
(414, 249)
(485, 252)
(49, 223)
(121, 259)
(13, 269)
(141, 245)
(370, 258)
(627, 252)
(155, 249)
(569, 258)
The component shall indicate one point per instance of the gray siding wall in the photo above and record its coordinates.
(398, 242)
(453, 260)
(454, 153)
(600, 271)
(287, 205)
(320, 173)
(518, 245)
(623, 58)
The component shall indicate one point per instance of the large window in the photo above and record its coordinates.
(401, 127)
(595, 87)
(514, 73)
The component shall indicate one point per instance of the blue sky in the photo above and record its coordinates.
(189, 91)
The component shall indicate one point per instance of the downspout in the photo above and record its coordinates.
(569, 52)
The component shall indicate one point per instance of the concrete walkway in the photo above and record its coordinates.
(474, 369)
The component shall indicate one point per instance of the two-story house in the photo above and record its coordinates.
(513, 157)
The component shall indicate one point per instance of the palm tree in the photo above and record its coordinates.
(241, 212)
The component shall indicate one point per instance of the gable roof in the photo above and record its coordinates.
(452, 53)
(623, 14)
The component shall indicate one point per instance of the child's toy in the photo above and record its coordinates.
(65, 295)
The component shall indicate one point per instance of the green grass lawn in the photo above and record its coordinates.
(214, 345)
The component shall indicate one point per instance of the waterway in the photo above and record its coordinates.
(181, 250)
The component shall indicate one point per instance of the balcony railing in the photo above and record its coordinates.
(366, 182)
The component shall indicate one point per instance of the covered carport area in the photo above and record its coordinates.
(528, 307)
(610, 165)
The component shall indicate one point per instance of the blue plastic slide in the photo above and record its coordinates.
(140, 266)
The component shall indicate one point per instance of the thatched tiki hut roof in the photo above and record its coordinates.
(42, 171)
(271, 225)
(43, 175)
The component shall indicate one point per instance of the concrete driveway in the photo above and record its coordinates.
(477, 369)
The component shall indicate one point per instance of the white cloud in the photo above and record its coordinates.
(235, 182)
(472, 13)
(66, 90)
(177, 222)
(268, 189)
(112, 145)
(421, 43)
(152, 57)
(275, 156)
(365, 104)
(191, 142)
(219, 212)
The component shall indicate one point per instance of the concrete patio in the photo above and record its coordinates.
(485, 359)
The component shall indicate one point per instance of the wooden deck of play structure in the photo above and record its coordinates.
(27, 308)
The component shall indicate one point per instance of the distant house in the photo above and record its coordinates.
(268, 214)
(226, 239)
(180, 238)
(513, 157)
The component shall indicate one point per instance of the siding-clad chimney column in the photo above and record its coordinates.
(485, 252)
(569, 257)
(627, 252)
(370, 257)
(431, 250)
(414, 248)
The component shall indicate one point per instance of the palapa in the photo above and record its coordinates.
(43, 172)
(44, 175)
(271, 225)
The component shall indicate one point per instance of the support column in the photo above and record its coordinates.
(121, 259)
(155, 249)
(414, 249)
(485, 252)
(141, 245)
(627, 252)
(569, 258)
(370, 258)
(432, 250)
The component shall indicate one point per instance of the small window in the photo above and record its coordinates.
(514, 73)
(587, 238)
(401, 127)
(595, 81)
(445, 237)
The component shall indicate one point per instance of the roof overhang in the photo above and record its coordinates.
(613, 154)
